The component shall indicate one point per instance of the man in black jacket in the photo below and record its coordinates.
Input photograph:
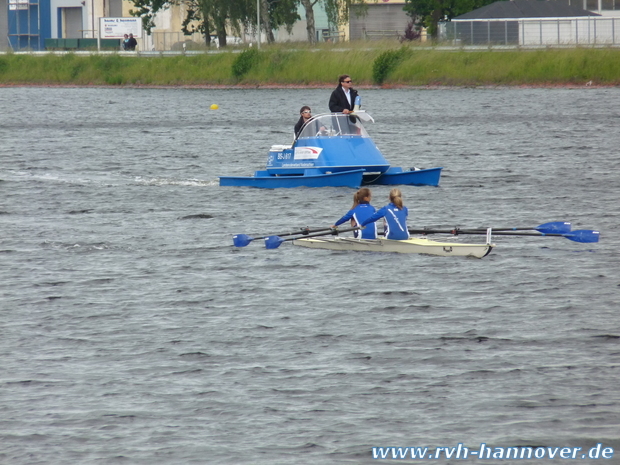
(342, 99)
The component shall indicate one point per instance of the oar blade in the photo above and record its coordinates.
(583, 235)
(556, 227)
(273, 242)
(241, 240)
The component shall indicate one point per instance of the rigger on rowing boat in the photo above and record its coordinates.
(315, 238)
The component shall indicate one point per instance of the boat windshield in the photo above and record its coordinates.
(331, 125)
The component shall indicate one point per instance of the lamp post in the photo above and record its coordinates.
(258, 24)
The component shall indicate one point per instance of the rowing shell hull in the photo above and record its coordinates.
(414, 245)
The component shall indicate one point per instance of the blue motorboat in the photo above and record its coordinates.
(332, 150)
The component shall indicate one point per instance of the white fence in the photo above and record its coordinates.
(590, 30)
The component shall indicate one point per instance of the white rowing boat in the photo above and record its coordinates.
(413, 245)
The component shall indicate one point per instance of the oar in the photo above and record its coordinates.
(241, 240)
(583, 235)
(273, 242)
(556, 227)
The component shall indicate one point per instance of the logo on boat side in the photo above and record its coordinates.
(305, 153)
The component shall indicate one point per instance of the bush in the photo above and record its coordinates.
(411, 32)
(385, 63)
(108, 63)
(244, 62)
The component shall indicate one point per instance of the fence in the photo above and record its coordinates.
(332, 36)
(374, 35)
(165, 41)
(586, 30)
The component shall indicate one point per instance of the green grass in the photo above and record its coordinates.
(301, 64)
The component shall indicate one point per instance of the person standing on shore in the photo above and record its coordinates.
(131, 44)
(343, 97)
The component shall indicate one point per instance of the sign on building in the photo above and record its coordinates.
(116, 28)
(18, 4)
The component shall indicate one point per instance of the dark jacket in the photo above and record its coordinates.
(131, 44)
(338, 100)
(299, 125)
(310, 127)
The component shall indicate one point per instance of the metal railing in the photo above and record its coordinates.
(173, 41)
(589, 30)
(378, 35)
(333, 36)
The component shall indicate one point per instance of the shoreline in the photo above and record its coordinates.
(588, 85)
(405, 68)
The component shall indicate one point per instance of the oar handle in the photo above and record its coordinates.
(273, 242)
(332, 232)
(241, 240)
(303, 231)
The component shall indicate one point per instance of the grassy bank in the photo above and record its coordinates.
(384, 64)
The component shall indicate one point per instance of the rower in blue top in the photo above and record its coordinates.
(360, 212)
(395, 214)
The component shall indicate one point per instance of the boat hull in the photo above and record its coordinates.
(413, 245)
(352, 178)
(263, 180)
(395, 176)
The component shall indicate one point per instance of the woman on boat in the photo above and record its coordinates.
(395, 215)
(360, 211)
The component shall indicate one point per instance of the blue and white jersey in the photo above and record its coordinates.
(360, 213)
(395, 221)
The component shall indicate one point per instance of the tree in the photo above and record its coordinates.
(338, 12)
(428, 13)
(310, 28)
(207, 16)
(204, 16)
(279, 13)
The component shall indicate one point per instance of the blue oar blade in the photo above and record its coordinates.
(241, 240)
(583, 235)
(273, 242)
(557, 227)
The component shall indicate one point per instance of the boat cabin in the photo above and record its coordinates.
(332, 125)
(331, 142)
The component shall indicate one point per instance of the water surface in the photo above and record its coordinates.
(131, 331)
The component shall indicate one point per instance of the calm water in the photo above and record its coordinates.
(132, 332)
